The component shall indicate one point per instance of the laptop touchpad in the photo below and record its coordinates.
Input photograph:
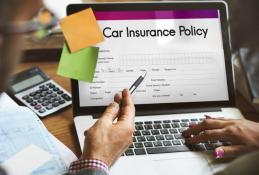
(162, 165)
(134, 166)
(183, 166)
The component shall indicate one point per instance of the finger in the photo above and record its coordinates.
(227, 151)
(206, 124)
(217, 118)
(209, 135)
(126, 98)
(85, 133)
(208, 117)
(118, 97)
(127, 111)
(111, 112)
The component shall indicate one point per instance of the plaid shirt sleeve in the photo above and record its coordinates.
(80, 164)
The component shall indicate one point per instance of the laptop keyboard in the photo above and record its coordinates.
(164, 136)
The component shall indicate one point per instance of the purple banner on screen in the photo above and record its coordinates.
(156, 14)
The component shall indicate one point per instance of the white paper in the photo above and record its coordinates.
(67, 155)
(63, 152)
(26, 161)
(6, 101)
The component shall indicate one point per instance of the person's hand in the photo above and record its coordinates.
(106, 140)
(243, 134)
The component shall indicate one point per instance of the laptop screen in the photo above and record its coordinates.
(181, 51)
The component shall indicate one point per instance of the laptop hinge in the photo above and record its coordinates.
(173, 111)
(178, 111)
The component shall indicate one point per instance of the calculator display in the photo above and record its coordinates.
(27, 83)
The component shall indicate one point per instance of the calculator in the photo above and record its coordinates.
(36, 90)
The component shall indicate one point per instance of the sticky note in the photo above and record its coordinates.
(79, 65)
(26, 161)
(81, 30)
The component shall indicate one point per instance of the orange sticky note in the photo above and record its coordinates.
(81, 30)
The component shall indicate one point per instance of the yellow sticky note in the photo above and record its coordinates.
(81, 30)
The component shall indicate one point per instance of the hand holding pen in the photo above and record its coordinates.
(135, 85)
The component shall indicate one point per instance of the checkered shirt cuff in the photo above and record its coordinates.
(78, 165)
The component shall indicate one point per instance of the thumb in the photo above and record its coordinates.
(111, 112)
(127, 112)
(227, 151)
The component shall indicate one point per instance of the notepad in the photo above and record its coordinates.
(26, 161)
(81, 30)
(23, 129)
(7, 104)
(79, 65)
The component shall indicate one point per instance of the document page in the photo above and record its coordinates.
(181, 51)
(19, 128)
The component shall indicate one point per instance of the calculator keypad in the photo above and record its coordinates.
(46, 98)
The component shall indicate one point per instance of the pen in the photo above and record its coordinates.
(137, 82)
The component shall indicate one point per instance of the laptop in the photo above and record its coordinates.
(184, 48)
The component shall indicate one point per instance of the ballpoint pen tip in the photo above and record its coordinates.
(144, 73)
